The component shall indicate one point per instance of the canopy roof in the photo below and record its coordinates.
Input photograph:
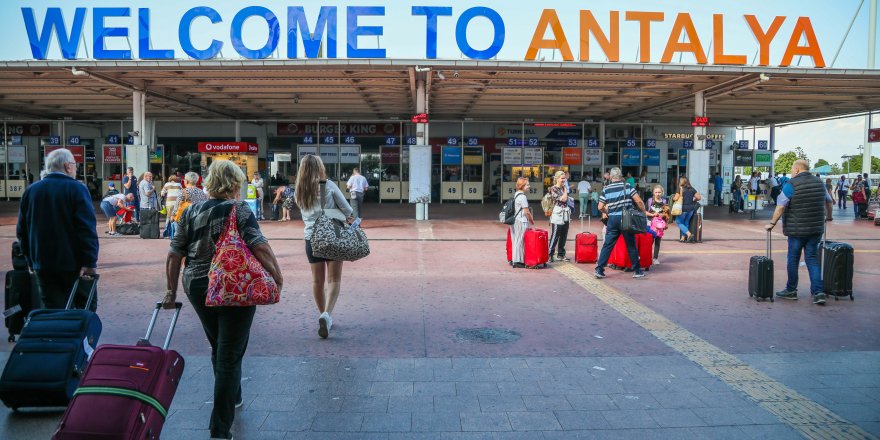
(459, 90)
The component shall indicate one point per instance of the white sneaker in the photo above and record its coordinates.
(324, 324)
(656, 261)
(740, 211)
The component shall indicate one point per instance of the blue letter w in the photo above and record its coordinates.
(54, 20)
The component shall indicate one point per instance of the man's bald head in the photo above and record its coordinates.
(801, 165)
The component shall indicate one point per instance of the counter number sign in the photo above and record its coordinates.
(390, 140)
(54, 140)
(73, 140)
(329, 139)
(113, 139)
(762, 145)
(592, 142)
(572, 142)
(473, 142)
(349, 140)
(631, 143)
(650, 143)
(308, 140)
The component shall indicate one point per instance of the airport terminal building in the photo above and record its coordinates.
(457, 118)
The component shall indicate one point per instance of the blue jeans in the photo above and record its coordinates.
(612, 233)
(584, 199)
(717, 197)
(683, 221)
(810, 246)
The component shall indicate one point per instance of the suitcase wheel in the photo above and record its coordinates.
(750, 295)
(771, 299)
(11, 338)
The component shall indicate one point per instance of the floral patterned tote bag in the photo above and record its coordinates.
(236, 277)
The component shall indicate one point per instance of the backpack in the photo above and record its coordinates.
(509, 212)
(547, 203)
(658, 225)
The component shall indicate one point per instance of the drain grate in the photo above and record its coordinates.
(488, 335)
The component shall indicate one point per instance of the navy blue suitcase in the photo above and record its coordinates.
(46, 364)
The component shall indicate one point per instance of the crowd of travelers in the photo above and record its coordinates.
(615, 193)
(606, 198)
(63, 246)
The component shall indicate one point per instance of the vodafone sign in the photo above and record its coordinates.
(228, 147)
(874, 135)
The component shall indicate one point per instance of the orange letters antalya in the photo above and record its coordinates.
(683, 24)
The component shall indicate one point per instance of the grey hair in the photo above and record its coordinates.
(191, 178)
(55, 160)
(615, 174)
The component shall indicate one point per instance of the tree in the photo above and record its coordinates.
(854, 165)
(821, 163)
(785, 160)
(836, 169)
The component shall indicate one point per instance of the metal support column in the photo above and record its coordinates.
(137, 117)
(872, 51)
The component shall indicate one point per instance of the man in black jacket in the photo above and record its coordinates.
(56, 229)
(801, 205)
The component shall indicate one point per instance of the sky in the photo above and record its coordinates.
(404, 37)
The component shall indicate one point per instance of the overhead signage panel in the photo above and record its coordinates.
(592, 156)
(228, 147)
(512, 155)
(742, 158)
(70, 29)
(533, 156)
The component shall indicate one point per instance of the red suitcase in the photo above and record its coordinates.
(125, 391)
(620, 257)
(586, 249)
(537, 247)
(509, 248)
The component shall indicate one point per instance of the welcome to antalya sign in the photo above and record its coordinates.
(465, 30)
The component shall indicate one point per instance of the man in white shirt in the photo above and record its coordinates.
(842, 190)
(583, 190)
(775, 189)
(357, 185)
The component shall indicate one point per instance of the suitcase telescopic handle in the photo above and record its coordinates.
(92, 291)
(769, 245)
(177, 307)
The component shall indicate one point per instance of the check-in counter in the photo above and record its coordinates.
(14, 189)
(390, 190)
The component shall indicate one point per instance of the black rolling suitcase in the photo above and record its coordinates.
(837, 268)
(761, 275)
(696, 225)
(22, 295)
(19, 260)
(149, 224)
(46, 364)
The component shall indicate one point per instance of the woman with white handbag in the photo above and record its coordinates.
(319, 197)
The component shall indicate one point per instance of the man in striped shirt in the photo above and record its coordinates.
(616, 197)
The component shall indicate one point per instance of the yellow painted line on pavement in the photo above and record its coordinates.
(809, 418)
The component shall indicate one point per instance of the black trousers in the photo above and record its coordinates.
(228, 330)
(55, 289)
(558, 237)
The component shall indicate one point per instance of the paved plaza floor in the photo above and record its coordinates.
(436, 337)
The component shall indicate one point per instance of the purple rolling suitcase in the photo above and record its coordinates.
(125, 391)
